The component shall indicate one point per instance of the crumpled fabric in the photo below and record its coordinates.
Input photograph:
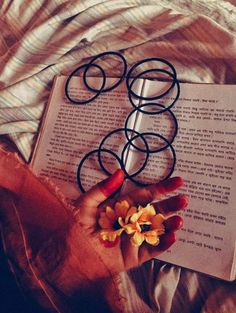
(42, 39)
(164, 288)
(45, 246)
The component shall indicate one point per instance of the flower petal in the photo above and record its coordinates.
(152, 239)
(109, 244)
(147, 213)
(110, 213)
(138, 227)
(121, 222)
(157, 221)
(104, 234)
(134, 218)
(137, 239)
(121, 208)
(150, 209)
(130, 228)
(130, 212)
(109, 235)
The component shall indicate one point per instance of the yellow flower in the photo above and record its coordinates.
(141, 224)
(145, 225)
(111, 221)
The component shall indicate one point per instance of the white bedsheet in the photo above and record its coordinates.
(39, 39)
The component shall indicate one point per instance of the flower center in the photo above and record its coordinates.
(145, 227)
(116, 225)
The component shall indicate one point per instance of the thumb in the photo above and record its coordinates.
(89, 201)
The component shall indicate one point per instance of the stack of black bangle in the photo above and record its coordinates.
(130, 134)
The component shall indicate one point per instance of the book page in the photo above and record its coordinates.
(206, 158)
(70, 131)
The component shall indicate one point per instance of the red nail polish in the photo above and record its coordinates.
(109, 244)
(112, 183)
(183, 201)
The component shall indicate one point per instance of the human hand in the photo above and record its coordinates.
(57, 249)
(122, 254)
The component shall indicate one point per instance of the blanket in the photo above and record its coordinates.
(40, 39)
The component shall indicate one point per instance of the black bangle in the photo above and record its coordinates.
(106, 89)
(130, 72)
(77, 101)
(143, 184)
(152, 133)
(174, 83)
(87, 155)
(122, 156)
(144, 108)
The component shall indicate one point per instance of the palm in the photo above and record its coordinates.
(124, 255)
(63, 244)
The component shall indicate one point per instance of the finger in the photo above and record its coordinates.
(147, 252)
(171, 205)
(153, 192)
(173, 223)
(89, 201)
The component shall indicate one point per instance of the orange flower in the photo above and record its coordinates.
(142, 223)
(111, 221)
(145, 225)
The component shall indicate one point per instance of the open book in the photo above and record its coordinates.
(206, 158)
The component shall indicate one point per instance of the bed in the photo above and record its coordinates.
(40, 39)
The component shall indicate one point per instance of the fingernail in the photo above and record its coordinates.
(183, 201)
(178, 181)
(112, 183)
